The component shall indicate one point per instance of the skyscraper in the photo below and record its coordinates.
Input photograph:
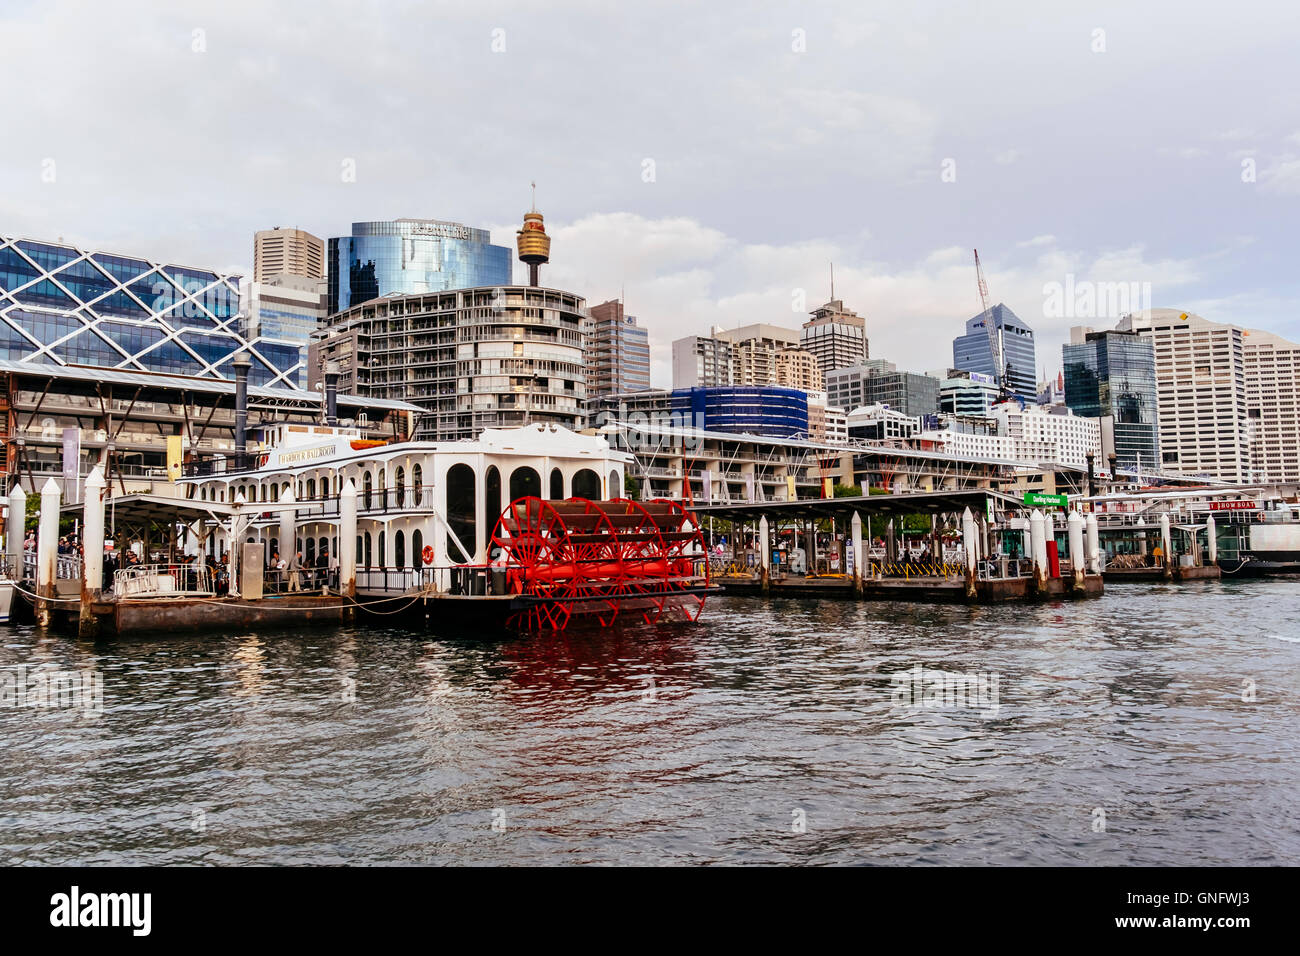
(836, 336)
(287, 252)
(1111, 376)
(1228, 397)
(1273, 405)
(60, 305)
(1201, 392)
(701, 361)
(409, 257)
(971, 352)
(618, 352)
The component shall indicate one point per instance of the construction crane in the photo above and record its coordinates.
(995, 335)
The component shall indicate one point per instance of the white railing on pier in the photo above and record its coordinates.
(163, 580)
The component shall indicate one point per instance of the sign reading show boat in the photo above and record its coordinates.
(1036, 499)
(1233, 506)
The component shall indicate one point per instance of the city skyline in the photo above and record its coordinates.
(803, 142)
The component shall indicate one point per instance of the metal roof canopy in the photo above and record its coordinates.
(218, 386)
(922, 502)
(168, 508)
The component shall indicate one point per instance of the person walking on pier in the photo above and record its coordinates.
(294, 571)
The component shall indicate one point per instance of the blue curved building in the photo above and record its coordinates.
(769, 410)
(410, 256)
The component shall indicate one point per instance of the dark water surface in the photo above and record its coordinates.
(716, 742)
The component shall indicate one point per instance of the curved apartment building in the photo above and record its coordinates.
(486, 357)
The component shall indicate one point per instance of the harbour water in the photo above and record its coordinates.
(1156, 725)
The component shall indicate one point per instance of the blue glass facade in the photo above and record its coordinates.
(64, 306)
(411, 256)
(971, 353)
(768, 410)
(1112, 375)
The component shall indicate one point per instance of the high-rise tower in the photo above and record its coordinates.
(533, 242)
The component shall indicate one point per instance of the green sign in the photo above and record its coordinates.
(1036, 499)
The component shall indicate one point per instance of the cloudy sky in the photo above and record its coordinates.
(707, 158)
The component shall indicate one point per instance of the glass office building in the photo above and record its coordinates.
(60, 305)
(411, 257)
(1112, 376)
(768, 410)
(971, 352)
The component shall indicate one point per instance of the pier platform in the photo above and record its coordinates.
(918, 588)
(1177, 574)
(155, 616)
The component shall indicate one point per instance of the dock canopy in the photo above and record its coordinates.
(921, 502)
(170, 508)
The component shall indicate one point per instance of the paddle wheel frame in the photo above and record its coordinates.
(596, 561)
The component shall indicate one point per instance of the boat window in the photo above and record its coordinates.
(615, 486)
(361, 551)
(461, 511)
(399, 493)
(365, 496)
(586, 484)
(417, 546)
(525, 483)
(491, 497)
(383, 552)
(417, 479)
(383, 488)
(311, 552)
(311, 487)
(399, 550)
(557, 485)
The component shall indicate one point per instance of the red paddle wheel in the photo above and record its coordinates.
(597, 560)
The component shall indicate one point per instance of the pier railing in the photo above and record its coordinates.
(163, 580)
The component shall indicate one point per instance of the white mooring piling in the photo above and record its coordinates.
(1094, 544)
(764, 555)
(968, 547)
(1074, 525)
(1211, 542)
(288, 527)
(1038, 542)
(1164, 546)
(348, 539)
(47, 552)
(16, 530)
(859, 557)
(92, 546)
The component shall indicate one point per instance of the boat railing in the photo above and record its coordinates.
(163, 580)
(467, 579)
